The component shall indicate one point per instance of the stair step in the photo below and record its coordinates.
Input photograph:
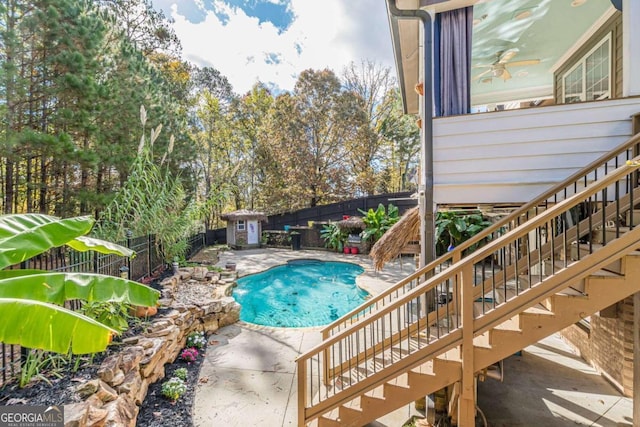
(373, 398)
(349, 412)
(557, 265)
(397, 386)
(557, 301)
(447, 360)
(602, 278)
(617, 266)
(411, 345)
(610, 233)
(636, 217)
(533, 317)
(330, 419)
(482, 340)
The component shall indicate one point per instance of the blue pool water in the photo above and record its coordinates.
(300, 293)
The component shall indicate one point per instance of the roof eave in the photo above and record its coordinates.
(405, 37)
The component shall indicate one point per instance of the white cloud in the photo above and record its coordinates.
(331, 33)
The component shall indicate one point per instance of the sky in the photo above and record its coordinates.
(272, 41)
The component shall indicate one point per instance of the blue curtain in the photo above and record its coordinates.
(452, 61)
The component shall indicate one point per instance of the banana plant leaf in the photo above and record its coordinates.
(84, 243)
(35, 324)
(58, 287)
(23, 236)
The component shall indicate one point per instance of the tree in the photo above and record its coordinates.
(71, 84)
(401, 148)
(249, 114)
(370, 82)
(310, 131)
(31, 301)
(208, 78)
(216, 162)
(145, 27)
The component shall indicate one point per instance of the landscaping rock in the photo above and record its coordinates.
(123, 379)
(88, 388)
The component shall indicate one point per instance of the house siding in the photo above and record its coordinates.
(613, 26)
(510, 157)
(608, 345)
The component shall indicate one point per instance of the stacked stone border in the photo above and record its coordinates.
(114, 397)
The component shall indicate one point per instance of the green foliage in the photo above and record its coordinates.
(379, 221)
(113, 314)
(181, 373)
(31, 367)
(31, 301)
(333, 236)
(399, 157)
(152, 201)
(38, 361)
(174, 388)
(453, 228)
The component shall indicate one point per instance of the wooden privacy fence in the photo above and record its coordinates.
(147, 260)
(334, 212)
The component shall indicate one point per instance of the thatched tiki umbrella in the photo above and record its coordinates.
(398, 239)
(352, 224)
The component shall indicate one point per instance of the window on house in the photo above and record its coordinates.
(590, 78)
(241, 225)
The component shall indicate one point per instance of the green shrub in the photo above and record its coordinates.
(379, 221)
(181, 373)
(333, 236)
(174, 388)
(112, 314)
(453, 228)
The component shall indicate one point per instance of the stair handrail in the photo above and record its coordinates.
(456, 269)
(456, 253)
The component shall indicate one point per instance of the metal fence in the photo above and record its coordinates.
(147, 260)
(196, 242)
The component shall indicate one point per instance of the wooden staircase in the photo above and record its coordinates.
(554, 313)
(534, 274)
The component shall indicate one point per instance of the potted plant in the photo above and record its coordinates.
(333, 236)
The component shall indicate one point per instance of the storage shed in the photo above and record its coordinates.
(244, 228)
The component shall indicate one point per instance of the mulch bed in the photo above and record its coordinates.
(157, 411)
(57, 387)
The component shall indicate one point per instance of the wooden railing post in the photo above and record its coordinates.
(302, 391)
(466, 401)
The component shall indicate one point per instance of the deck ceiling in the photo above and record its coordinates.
(543, 30)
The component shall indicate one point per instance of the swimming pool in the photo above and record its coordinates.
(300, 293)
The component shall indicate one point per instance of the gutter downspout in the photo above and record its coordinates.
(425, 190)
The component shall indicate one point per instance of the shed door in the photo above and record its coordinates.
(252, 232)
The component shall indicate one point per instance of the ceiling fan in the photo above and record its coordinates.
(499, 67)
